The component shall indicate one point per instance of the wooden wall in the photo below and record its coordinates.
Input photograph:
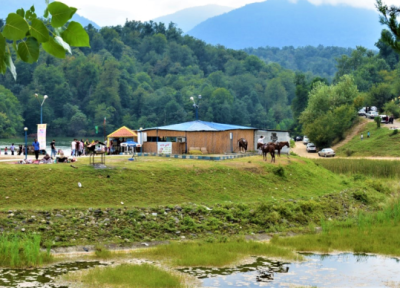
(216, 142)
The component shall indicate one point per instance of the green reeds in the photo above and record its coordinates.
(371, 168)
(125, 275)
(201, 253)
(22, 251)
(366, 232)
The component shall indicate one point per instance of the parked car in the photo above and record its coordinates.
(298, 138)
(311, 148)
(361, 112)
(326, 152)
(384, 119)
(371, 114)
(305, 140)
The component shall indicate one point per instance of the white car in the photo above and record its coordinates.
(311, 148)
(326, 152)
(305, 140)
(371, 114)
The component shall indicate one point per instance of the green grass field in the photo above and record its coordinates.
(381, 143)
(162, 181)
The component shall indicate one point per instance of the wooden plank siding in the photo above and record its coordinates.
(217, 142)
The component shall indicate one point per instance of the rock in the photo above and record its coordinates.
(183, 237)
(30, 220)
(59, 216)
(106, 220)
(23, 229)
(178, 232)
(11, 215)
(154, 214)
(33, 217)
(10, 211)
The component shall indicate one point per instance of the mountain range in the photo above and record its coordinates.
(8, 6)
(187, 19)
(279, 23)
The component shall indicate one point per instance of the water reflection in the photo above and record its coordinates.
(342, 270)
(41, 277)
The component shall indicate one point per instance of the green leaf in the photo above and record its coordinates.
(75, 35)
(3, 66)
(2, 46)
(60, 13)
(53, 48)
(16, 27)
(61, 42)
(32, 9)
(39, 31)
(21, 12)
(29, 50)
(46, 13)
(10, 64)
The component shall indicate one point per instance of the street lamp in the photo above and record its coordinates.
(41, 106)
(26, 142)
(196, 106)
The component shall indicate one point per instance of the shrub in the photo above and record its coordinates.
(349, 152)
(394, 132)
(378, 120)
(195, 152)
(361, 196)
(279, 171)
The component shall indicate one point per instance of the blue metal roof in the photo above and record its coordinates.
(200, 126)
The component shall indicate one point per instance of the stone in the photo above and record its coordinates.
(11, 215)
(59, 216)
(23, 229)
(183, 237)
(178, 232)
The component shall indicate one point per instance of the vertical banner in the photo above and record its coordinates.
(41, 136)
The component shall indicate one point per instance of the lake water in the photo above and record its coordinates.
(61, 143)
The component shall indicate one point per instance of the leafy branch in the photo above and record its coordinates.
(25, 33)
(389, 17)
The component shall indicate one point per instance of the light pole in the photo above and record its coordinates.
(41, 106)
(26, 142)
(196, 106)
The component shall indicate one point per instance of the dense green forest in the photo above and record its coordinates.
(143, 75)
(311, 60)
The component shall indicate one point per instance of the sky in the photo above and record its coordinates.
(107, 12)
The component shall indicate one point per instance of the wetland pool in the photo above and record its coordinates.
(338, 270)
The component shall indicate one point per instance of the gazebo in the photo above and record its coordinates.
(119, 136)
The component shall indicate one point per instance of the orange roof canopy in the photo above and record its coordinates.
(122, 132)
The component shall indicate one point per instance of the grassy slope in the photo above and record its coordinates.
(381, 143)
(161, 181)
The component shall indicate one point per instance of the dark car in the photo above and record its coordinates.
(298, 138)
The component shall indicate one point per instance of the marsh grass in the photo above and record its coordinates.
(102, 252)
(367, 232)
(126, 275)
(22, 251)
(371, 168)
(202, 253)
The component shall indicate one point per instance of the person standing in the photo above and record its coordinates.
(368, 134)
(12, 149)
(362, 136)
(260, 141)
(73, 146)
(36, 148)
(53, 149)
(5, 151)
(77, 152)
(20, 150)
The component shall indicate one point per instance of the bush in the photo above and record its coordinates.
(394, 132)
(378, 120)
(195, 152)
(279, 171)
(349, 152)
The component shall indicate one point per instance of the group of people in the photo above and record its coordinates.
(13, 149)
(78, 147)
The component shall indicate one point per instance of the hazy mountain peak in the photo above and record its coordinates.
(280, 23)
(188, 18)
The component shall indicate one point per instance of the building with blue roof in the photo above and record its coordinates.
(207, 137)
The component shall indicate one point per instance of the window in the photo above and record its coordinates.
(161, 139)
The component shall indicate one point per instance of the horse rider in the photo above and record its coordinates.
(261, 141)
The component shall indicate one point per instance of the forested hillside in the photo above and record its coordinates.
(319, 60)
(142, 75)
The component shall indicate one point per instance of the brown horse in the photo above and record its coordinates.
(242, 145)
(268, 148)
(280, 145)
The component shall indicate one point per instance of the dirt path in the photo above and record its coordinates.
(300, 148)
